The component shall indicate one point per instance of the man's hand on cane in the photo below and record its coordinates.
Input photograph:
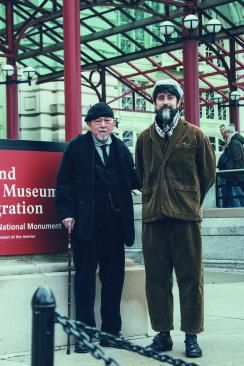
(69, 223)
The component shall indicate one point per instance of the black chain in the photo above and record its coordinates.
(87, 335)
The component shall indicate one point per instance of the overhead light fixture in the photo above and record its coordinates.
(8, 72)
(167, 28)
(191, 22)
(234, 97)
(214, 26)
(217, 98)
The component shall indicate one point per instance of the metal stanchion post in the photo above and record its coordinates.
(43, 319)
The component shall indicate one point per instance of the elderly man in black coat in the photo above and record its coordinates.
(94, 201)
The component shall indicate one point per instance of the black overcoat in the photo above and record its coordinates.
(235, 161)
(75, 189)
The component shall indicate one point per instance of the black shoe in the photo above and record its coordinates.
(162, 342)
(192, 348)
(81, 348)
(108, 343)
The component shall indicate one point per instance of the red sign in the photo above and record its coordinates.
(28, 219)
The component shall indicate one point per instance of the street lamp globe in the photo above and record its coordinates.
(29, 72)
(7, 70)
(217, 98)
(214, 26)
(167, 28)
(191, 22)
(235, 95)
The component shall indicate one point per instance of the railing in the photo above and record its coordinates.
(227, 189)
(43, 329)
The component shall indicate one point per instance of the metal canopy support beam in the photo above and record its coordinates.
(12, 111)
(72, 79)
(98, 35)
(41, 20)
(103, 84)
(11, 89)
(191, 79)
(191, 82)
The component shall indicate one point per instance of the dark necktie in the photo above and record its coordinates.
(105, 154)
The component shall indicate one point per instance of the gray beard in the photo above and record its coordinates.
(165, 116)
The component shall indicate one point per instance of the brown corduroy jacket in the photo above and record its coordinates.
(175, 176)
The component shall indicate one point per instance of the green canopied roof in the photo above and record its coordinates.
(114, 33)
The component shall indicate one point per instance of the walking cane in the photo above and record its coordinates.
(69, 254)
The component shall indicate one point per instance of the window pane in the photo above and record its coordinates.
(128, 138)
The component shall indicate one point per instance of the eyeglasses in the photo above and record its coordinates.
(107, 121)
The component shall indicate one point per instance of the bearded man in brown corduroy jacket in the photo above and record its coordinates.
(175, 165)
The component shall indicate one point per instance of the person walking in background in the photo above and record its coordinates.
(224, 194)
(222, 132)
(224, 191)
(175, 164)
(235, 160)
(235, 135)
(94, 201)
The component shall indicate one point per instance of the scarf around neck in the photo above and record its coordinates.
(168, 128)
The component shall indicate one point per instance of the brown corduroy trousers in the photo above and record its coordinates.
(174, 244)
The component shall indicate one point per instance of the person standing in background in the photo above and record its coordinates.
(235, 160)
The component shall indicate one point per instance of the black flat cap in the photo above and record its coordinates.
(99, 110)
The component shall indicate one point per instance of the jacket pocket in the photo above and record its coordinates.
(185, 199)
(183, 152)
(150, 202)
(182, 164)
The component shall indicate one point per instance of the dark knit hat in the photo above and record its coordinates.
(99, 110)
(169, 85)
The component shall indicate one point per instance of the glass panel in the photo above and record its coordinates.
(140, 100)
(210, 108)
(128, 138)
(127, 100)
(2, 16)
(222, 115)
(106, 18)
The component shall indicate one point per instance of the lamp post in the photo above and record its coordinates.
(234, 97)
(72, 68)
(190, 39)
(191, 75)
